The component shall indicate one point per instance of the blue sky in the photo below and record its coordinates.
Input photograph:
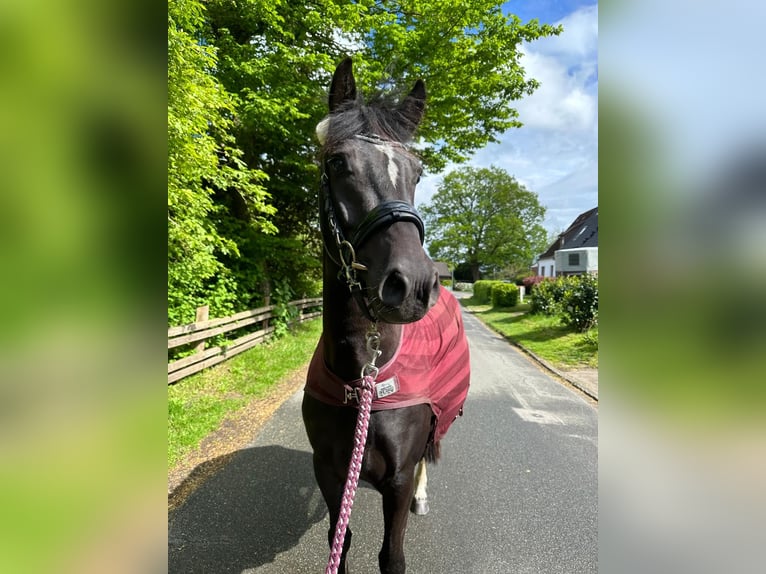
(555, 154)
(546, 11)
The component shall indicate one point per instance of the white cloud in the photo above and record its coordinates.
(567, 68)
(578, 42)
(564, 101)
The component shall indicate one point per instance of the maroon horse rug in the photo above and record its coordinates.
(431, 366)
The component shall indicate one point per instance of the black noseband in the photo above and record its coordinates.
(385, 215)
(381, 216)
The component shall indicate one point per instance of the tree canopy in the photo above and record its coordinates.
(201, 158)
(248, 82)
(483, 217)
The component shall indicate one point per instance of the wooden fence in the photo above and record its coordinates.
(204, 328)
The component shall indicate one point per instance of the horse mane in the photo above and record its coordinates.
(379, 118)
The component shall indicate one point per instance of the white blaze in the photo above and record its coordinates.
(393, 169)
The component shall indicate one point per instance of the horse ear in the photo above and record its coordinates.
(343, 86)
(414, 105)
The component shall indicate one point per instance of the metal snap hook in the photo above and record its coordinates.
(347, 262)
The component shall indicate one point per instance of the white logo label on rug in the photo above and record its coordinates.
(387, 387)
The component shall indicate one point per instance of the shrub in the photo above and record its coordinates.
(283, 314)
(504, 295)
(482, 291)
(532, 281)
(463, 286)
(579, 306)
(547, 296)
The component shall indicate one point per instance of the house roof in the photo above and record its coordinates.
(583, 232)
(443, 269)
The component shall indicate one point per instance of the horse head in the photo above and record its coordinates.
(371, 230)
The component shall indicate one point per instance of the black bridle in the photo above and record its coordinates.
(380, 217)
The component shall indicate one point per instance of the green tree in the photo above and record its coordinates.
(276, 58)
(258, 71)
(202, 159)
(485, 218)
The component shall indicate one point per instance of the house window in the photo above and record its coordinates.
(542, 271)
(574, 259)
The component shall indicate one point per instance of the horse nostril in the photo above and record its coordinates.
(394, 290)
(431, 294)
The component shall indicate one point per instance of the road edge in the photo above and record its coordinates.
(541, 362)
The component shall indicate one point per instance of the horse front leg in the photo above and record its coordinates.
(420, 499)
(331, 486)
(397, 495)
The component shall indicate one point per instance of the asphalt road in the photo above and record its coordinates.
(515, 490)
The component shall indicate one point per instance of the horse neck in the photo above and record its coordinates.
(345, 328)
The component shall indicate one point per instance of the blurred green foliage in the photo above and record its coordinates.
(677, 331)
(681, 269)
(83, 288)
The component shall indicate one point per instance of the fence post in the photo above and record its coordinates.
(202, 315)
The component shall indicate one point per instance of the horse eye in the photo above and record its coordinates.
(337, 163)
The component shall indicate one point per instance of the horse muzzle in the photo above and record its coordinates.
(404, 297)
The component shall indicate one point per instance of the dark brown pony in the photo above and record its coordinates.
(375, 272)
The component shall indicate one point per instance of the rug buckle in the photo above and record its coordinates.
(350, 393)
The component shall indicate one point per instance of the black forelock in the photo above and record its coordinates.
(379, 119)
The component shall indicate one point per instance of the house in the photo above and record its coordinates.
(443, 269)
(575, 251)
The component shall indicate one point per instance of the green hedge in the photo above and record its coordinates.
(504, 295)
(498, 293)
(482, 290)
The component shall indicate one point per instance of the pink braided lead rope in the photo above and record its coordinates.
(352, 480)
(369, 373)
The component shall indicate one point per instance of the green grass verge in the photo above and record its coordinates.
(198, 404)
(545, 336)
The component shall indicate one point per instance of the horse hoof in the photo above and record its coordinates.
(419, 507)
